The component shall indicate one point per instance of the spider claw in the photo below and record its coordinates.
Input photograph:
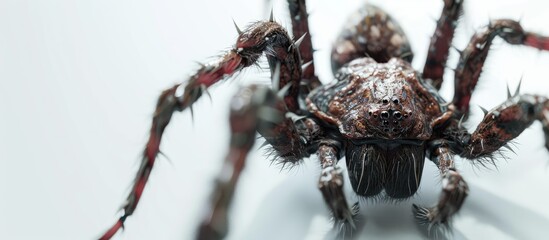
(483, 110)
(284, 90)
(204, 89)
(165, 156)
(202, 65)
(276, 77)
(508, 92)
(518, 88)
(460, 123)
(422, 214)
(122, 220)
(298, 42)
(264, 144)
(271, 17)
(237, 28)
(506, 146)
(306, 65)
(457, 49)
(494, 163)
(429, 218)
(192, 113)
(349, 219)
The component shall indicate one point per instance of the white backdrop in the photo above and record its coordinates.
(79, 81)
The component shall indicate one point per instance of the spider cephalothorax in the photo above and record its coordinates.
(385, 114)
(379, 113)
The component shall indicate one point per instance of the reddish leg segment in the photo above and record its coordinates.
(252, 109)
(473, 57)
(300, 28)
(504, 123)
(440, 42)
(268, 37)
(243, 123)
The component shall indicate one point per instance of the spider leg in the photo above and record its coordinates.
(331, 184)
(473, 57)
(440, 42)
(253, 108)
(262, 110)
(454, 192)
(300, 29)
(504, 123)
(261, 37)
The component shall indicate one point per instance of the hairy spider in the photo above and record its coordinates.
(380, 114)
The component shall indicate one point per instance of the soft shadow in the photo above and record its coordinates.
(287, 210)
(514, 220)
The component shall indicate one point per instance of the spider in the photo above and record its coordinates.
(383, 116)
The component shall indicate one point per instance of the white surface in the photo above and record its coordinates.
(79, 81)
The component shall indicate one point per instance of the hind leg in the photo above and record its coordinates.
(454, 192)
(373, 33)
(252, 109)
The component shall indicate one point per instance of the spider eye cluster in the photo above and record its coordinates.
(389, 116)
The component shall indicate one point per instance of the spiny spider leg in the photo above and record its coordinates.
(454, 191)
(441, 42)
(259, 37)
(252, 109)
(504, 123)
(300, 28)
(499, 126)
(331, 183)
(473, 57)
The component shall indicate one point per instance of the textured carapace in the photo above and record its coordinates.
(377, 100)
(385, 113)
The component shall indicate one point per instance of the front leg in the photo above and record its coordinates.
(504, 123)
(331, 185)
(264, 36)
(300, 29)
(454, 192)
(252, 109)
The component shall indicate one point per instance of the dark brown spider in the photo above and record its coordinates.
(380, 114)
